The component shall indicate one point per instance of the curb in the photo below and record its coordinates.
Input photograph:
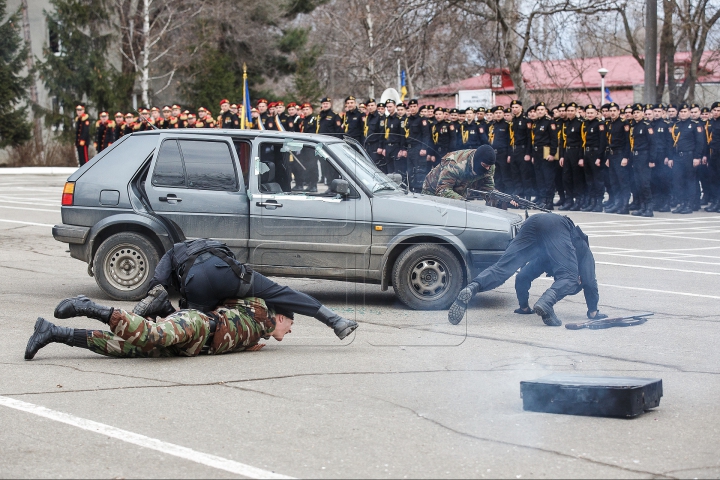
(38, 171)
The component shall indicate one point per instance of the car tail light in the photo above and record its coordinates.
(68, 193)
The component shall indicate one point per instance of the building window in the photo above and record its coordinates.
(496, 81)
(54, 42)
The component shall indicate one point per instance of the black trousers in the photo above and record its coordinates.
(643, 176)
(619, 177)
(391, 152)
(545, 172)
(544, 236)
(212, 281)
(594, 174)
(684, 179)
(521, 172)
(714, 174)
(503, 177)
(416, 166)
(573, 174)
(82, 152)
(661, 181)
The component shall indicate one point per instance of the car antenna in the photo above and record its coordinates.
(146, 120)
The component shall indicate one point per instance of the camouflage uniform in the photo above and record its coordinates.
(451, 179)
(240, 324)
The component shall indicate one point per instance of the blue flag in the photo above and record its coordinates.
(246, 102)
(608, 98)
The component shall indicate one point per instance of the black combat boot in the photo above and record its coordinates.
(711, 207)
(648, 210)
(459, 306)
(579, 202)
(46, 333)
(549, 204)
(686, 210)
(544, 308)
(634, 205)
(598, 205)
(567, 205)
(591, 206)
(342, 326)
(639, 212)
(561, 201)
(679, 208)
(155, 304)
(82, 306)
(664, 207)
(613, 208)
(624, 208)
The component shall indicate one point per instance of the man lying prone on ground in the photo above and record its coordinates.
(237, 325)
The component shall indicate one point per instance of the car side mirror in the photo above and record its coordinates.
(340, 186)
(395, 177)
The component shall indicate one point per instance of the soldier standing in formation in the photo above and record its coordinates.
(104, 132)
(82, 134)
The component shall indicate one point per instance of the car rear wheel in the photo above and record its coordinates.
(124, 264)
(427, 277)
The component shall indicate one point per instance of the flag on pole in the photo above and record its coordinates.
(279, 124)
(246, 120)
(608, 98)
(403, 87)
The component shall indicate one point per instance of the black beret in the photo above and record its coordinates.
(516, 102)
(325, 99)
(413, 102)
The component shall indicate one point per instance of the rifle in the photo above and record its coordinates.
(610, 322)
(146, 120)
(496, 197)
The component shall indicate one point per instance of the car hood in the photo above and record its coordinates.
(417, 209)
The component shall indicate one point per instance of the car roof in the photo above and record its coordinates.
(314, 137)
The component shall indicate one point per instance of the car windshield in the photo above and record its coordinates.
(365, 172)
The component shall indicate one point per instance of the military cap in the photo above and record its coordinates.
(279, 103)
(370, 100)
(362, 104)
(80, 105)
(402, 104)
(254, 110)
(389, 101)
(176, 106)
(507, 110)
(581, 107)
(306, 105)
(413, 102)
(590, 106)
(166, 108)
(284, 311)
(325, 99)
(186, 112)
(612, 105)
(540, 104)
(572, 104)
(292, 104)
(224, 100)
(103, 114)
(446, 109)
(261, 100)
(381, 104)
(143, 110)
(233, 105)
(715, 105)
(694, 105)
(272, 104)
(129, 115)
(660, 105)
(605, 106)
(350, 98)
(628, 107)
(469, 109)
(154, 109)
(438, 109)
(649, 106)
(496, 108)
(516, 102)
(531, 108)
(670, 105)
(480, 110)
(191, 115)
(683, 106)
(422, 107)
(202, 109)
(638, 107)
(118, 114)
(562, 105)
(431, 107)
(705, 110)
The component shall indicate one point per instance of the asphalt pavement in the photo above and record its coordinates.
(409, 395)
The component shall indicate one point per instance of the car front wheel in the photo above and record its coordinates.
(124, 264)
(427, 277)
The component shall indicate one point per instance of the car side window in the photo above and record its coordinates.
(169, 169)
(291, 170)
(244, 150)
(208, 165)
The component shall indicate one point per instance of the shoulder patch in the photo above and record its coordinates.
(424, 123)
(87, 122)
(552, 125)
(452, 127)
(700, 129)
(627, 128)
(650, 131)
(601, 127)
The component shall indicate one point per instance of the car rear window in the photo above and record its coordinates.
(196, 164)
(208, 165)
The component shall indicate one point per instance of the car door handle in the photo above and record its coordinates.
(170, 198)
(270, 204)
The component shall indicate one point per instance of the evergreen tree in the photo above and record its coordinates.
(79, 71)
(210, 79)
(14, 126)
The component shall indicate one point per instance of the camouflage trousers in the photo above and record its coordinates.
(239, 324)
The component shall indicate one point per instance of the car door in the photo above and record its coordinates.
(316, 234)
(196, 182)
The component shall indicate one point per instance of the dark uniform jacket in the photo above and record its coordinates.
(373, 130)
(394, 132)
(571, 135)
(467, 136)
(328, 122)
(205, 122)
(82, 130)
(442, 138)
(618, 142)
(119, 130)
(713, 134)
(594, 139)
(228, 120)
(308, 124)
(544, 134)
(499, 135)
(643, 139)
(520, 128)
(688, 138)
(417, 133)
(104, 134)
(353, 124)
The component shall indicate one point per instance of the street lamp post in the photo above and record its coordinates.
(399, 51)
(602, 71)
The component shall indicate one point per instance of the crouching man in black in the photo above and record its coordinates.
(206, 273)
(546, 243)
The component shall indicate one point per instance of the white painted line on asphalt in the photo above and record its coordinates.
(44, 203)
(661, 268)
(656, 235)
(645, 289)
(28, 223)
(185, 453)
(684, 259)
(33, 209)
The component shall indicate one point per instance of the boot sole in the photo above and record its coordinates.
(347, 331)
(58, 310)
(456, 312)
(549, 320)
(38, 324)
